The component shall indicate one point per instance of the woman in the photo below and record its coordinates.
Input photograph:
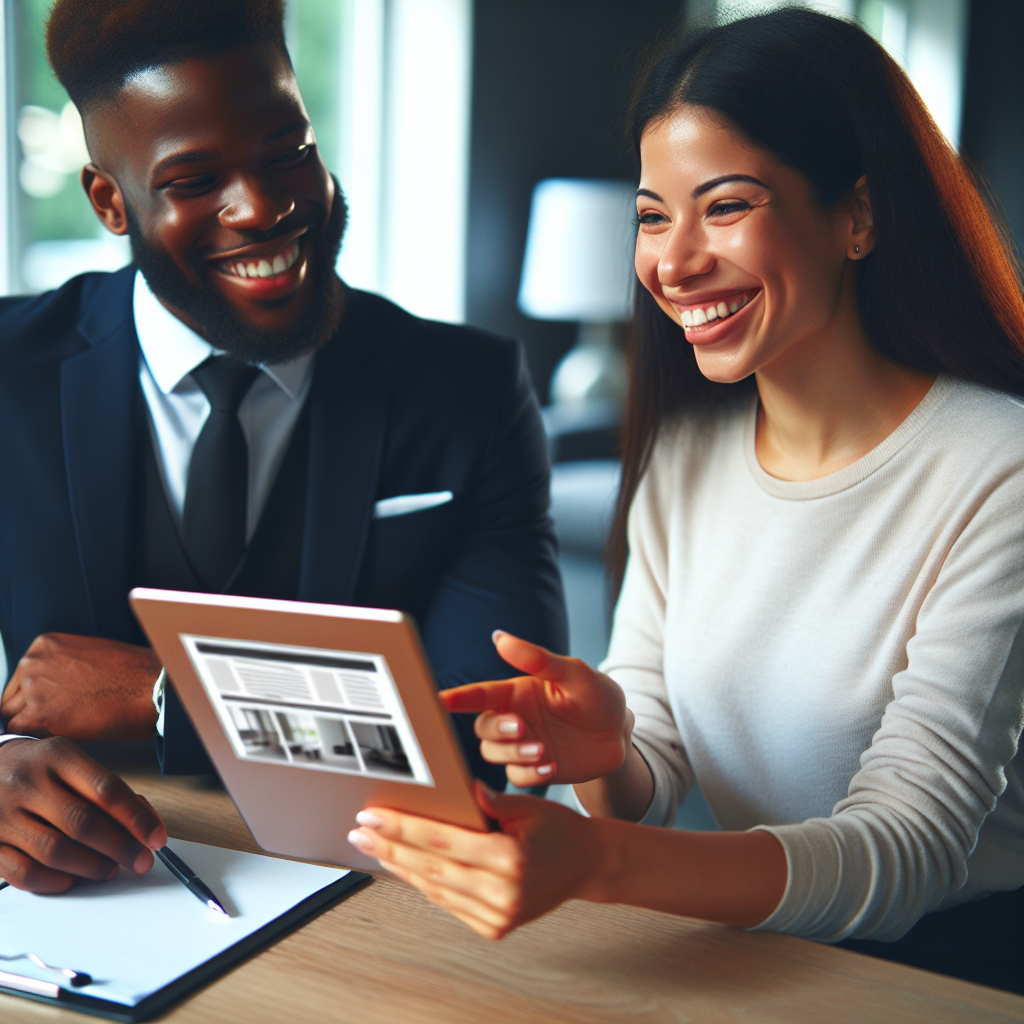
(821, 614)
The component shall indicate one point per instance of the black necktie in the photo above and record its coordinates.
(213, 522)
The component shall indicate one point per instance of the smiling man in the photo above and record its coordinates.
(227, 416)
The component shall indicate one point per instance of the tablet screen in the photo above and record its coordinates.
(323, 710)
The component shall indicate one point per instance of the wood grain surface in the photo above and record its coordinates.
(387, 955)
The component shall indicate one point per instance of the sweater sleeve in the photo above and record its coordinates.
(635, 657)
(897, 846)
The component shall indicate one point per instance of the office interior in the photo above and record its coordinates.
(441, 118)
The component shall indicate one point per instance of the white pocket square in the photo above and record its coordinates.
(406, 503)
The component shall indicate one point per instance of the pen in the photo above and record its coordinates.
(184, 874)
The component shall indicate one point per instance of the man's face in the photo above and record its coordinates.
(233, 216)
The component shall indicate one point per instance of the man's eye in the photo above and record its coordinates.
(293, 156)
(196, 184)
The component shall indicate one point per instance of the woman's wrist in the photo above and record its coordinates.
(625, 793)
(609, 859)
(627, 734)
(735, 878)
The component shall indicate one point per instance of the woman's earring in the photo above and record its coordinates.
(856, 248)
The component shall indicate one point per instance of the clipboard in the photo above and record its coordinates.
(148, 942)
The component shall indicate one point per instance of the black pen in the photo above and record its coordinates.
(184, 874)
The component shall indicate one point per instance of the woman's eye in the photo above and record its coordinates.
(651, 217)
(728, 206)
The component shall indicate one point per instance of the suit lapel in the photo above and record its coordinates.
(98, 393)
(348, 425)
(349, 408)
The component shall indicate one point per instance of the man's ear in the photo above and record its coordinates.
(105, 195)
(861, 238)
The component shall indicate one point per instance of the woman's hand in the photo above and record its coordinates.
(493, 881)
(562, 722)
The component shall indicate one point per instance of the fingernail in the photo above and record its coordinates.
(530, 750)
(496, 634)
(142, 863)
(157, 838)
(370, 820)
(114, 872)
(544, 769)
(488, 791)
(508, 727)
(360, 840)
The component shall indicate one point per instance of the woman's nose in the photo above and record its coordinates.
(255, 204)
(683, 256)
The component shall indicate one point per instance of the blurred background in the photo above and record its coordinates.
(469, 137)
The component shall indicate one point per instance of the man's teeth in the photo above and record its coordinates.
(281, 263)
(714, 311)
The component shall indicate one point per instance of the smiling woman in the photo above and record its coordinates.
(844, 110)
(821, 617)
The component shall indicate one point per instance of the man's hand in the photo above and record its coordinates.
(63, 817)
(84, 688)
(564, 722)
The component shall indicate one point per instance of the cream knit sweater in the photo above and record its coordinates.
(840, 661)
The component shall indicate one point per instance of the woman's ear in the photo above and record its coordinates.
(105, 195)
(861, 222)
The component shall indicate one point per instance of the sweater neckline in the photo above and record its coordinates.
(848, 476)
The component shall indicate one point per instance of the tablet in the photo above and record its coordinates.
(311, 712)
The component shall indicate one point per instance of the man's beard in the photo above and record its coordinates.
(221, 326)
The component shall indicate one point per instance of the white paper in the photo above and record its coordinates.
(310, 708)
(135, 935)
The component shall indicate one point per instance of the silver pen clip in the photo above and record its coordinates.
(77, 978)
(20, 983)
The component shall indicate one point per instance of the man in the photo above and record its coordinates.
(230, 418)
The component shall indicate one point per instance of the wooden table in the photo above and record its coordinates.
(386, 955)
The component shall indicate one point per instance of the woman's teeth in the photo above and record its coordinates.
(281, 263)
(715, 311)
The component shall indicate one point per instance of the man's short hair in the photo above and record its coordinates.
(95, 46)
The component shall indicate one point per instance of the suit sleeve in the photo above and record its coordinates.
(504, 574)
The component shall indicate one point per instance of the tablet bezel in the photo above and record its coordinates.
(283, 805)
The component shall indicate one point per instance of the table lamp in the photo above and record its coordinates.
(579, 266)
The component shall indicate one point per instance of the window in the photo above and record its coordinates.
(927, 39)
(386, 84)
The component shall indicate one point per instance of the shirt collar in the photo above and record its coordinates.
(172, 350)
(291, 377)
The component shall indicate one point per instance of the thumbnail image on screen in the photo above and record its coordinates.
(306, 707)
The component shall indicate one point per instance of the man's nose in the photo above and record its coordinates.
(255, 203)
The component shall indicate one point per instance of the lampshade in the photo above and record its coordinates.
(579, 251)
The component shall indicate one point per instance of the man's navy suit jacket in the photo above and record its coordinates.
(398, 406)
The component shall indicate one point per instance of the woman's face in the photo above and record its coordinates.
(733, 246)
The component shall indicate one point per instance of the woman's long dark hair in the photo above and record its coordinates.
(939, 291)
